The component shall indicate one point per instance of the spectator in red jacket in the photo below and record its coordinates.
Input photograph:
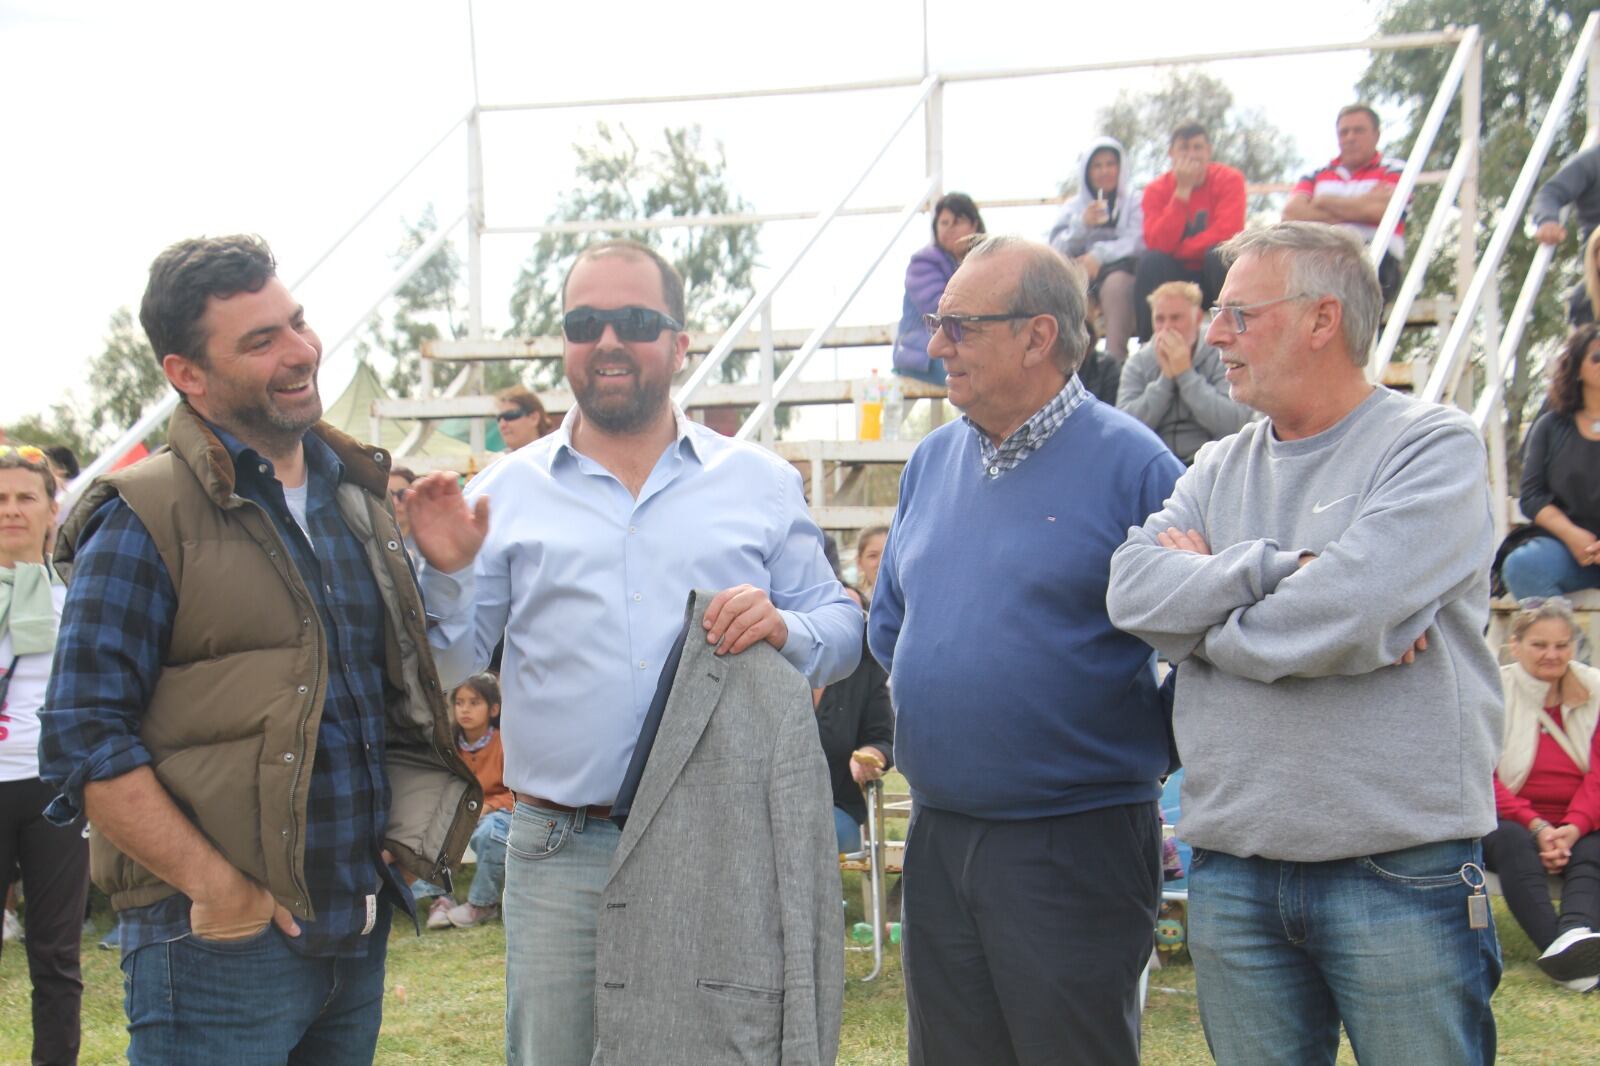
(1188, 211)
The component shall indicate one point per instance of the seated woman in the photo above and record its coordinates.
(1560, 552)
(1547, 794)
(955, 218)
(1102, 230)
(856, 724)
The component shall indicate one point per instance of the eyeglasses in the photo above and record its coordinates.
(26, 453)
(953, 324)
(584, 325)
(512, 415)
(1237, 311)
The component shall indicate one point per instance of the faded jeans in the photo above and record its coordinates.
(556, 866)
(1285, 951)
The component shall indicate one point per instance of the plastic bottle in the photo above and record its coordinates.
(870, 421)
(894, 408)
(861, 932)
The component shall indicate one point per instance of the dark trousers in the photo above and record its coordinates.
(1157, 268)
(55, 877)
(1024, 940)
(1510, 852)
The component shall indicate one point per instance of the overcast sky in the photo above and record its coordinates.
(127, 126)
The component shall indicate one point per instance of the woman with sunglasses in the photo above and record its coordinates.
(54, 859)
(1547, 793)
(1561, 481)
(955, 220)
(522, 418)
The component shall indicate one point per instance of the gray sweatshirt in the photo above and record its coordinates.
(1301, 740)
(1185, 411)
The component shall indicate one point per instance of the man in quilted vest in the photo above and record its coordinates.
(244, 701)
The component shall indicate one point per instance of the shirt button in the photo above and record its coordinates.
(641, 664)
(304, 690)
(994, 471)
(394, 545)
(262, 468)
(632, 530)
(284, 831)
(637, 597)
(288, 756)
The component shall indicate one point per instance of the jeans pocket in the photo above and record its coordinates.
(240, 946)
(1425, 866)
(1197, 858)
(535, 835)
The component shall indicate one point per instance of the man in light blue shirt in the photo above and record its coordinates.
(600, 530)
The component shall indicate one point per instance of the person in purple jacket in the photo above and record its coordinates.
(955, 219)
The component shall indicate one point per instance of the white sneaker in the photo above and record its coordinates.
(1582, 984)
(13, 928)
(439, 913)
(1574, 956)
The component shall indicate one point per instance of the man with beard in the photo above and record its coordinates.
(243, 701)
(600, 531)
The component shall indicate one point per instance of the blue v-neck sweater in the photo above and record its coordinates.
(1014, 695)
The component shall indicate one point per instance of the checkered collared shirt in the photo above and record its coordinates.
(114, 634)
(1031, 435)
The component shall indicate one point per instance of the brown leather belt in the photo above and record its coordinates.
(595, 810)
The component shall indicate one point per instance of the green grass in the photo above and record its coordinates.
(446, 1003)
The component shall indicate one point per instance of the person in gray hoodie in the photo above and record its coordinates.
(1321, 580)
(1575, 185)
(1101, 228)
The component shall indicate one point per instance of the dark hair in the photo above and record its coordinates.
(188, 274)
(522, 398)
(960, 205)
(11, 458)
(1566, 388)
(1187, 131)
(487, 686)
(405, 472)
(62, 456)
(1351, 109)
(671, 280)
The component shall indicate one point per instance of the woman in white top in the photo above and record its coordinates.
(54, 859)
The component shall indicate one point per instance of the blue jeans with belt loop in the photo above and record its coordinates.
(1285, 951)
(556, 866)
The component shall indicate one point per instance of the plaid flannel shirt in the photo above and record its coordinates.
(115, 631)
(1031, 435)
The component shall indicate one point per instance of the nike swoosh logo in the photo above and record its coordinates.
(1318, 508)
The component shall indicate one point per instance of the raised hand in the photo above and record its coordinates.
(447, 532)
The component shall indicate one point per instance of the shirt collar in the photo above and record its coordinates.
(1338, 163)
(1031, 435)
(247, 462)
(685, 440)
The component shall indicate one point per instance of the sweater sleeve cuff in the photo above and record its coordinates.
(1579, 821)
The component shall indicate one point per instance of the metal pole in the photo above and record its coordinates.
(769, 372)
(1471, 121)
(475, 220)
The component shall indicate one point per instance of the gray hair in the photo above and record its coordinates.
(1049, 285)
(1555, 608)
(1323, 260)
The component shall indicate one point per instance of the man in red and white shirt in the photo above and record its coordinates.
(1354, 190)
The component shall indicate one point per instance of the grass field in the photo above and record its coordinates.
(446, 1000)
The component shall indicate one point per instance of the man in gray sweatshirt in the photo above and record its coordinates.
(1321, 580)
(1174, 384)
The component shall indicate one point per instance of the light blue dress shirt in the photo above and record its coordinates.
(589, 586)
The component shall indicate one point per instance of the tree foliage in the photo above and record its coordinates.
(617, 179)
(1240, 136)
(1525, 46)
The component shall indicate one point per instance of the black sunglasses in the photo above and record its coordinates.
(584, 325)
(952, 324)
(512, 415)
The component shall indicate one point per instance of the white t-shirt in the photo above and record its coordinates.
(19, 722)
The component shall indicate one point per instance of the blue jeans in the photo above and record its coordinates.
(556, 866)
(1285, 951)
(1544, 567)
(489, 845)
(253, 1002)
(847, 829)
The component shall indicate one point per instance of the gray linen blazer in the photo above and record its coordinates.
(721, 926)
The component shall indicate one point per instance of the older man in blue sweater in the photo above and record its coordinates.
(1028, 727)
